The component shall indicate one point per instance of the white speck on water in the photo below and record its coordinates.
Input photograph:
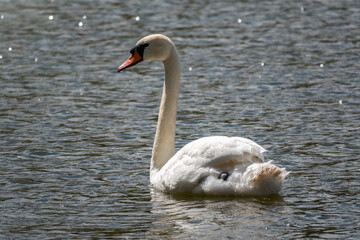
(340, 102)
(2, 16)
(302, 9)
(239, 20)
(36, 59)
(81, 24)
(262, 64)
(321, 65)
(10, 49)
(0, 56)
(259, 76)
(190, 68)
(137, 18)
(51, 17)
(84, 17)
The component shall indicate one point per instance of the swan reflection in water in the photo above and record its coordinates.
(219, 217)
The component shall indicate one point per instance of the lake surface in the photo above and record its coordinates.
(76, 136)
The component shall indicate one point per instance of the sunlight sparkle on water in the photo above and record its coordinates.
(2, 16)
(51, 17)
(137, 18)
(81, 24)
(0, 56)
(239, 20)
(84, 17)
(10, 49)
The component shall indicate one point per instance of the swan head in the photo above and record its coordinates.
(152, 47)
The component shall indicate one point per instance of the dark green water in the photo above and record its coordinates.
(76, 136)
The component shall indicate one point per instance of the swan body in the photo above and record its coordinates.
(216, 165)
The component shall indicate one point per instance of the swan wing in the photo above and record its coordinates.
(220, 152)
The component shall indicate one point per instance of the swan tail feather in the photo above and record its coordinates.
(266, 178)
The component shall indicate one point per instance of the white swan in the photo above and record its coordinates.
(215, 165)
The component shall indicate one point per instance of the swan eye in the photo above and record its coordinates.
(224, 176)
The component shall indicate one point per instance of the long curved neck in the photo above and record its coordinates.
(164, 142)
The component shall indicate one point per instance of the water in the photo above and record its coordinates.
(76, 136)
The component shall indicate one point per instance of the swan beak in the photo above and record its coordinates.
(134, 59)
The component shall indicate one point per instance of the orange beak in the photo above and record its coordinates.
(134, 59)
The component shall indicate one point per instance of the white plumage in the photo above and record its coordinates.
(215, 165)
(197, 166)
